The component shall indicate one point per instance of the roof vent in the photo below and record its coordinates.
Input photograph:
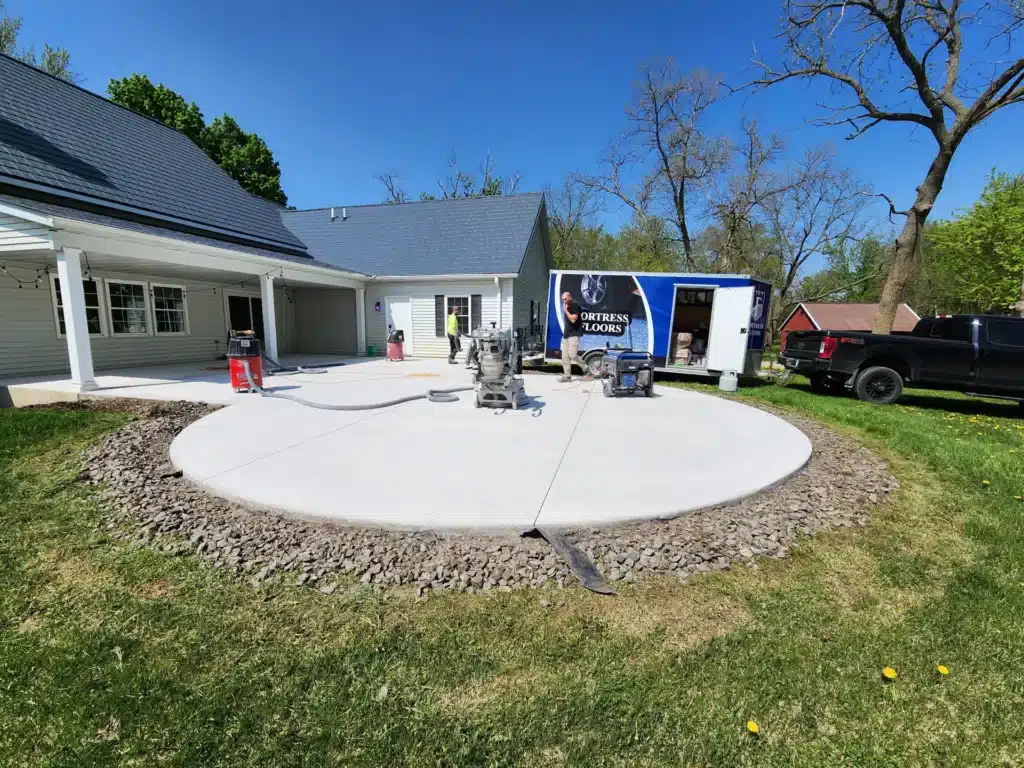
(344, 213)
(333, 217)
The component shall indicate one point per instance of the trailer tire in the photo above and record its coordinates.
(879, 385)
(592, 361)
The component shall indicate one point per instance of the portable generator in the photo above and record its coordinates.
(498, 364)
(624, 372)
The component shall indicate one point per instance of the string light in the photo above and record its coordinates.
(40, 274)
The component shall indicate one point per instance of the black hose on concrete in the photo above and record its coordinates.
(433, 395)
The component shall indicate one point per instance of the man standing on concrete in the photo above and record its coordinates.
(571, 337)
(453, 334)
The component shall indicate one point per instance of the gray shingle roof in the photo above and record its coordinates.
(77, 214)
(466, 236)
(72, 141)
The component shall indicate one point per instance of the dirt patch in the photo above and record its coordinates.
(480, 693)
(154, 590)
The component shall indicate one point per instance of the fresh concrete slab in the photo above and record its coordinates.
(572, 457)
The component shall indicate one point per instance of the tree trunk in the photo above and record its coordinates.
(904, 261)
(1020, 304)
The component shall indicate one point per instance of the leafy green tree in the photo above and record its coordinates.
(980, 255)
(55, 61)
(245, 157)
(140, 94)
(854, 273)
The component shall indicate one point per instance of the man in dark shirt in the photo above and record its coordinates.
(571, 336)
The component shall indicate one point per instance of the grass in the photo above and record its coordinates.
(116, 656)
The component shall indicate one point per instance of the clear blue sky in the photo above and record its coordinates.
(341, 91)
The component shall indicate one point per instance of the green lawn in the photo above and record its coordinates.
(117, 656)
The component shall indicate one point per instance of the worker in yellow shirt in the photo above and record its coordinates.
(453, 334)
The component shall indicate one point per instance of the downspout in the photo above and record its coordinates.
(497, 285)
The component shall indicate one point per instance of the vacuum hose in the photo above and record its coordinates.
(433, 395)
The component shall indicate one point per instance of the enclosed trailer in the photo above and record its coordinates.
(698, 324)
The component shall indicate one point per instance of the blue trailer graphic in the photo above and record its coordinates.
(725, 315)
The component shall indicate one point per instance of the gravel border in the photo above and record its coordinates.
(148, 504)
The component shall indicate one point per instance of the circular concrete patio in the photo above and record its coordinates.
(571, 457)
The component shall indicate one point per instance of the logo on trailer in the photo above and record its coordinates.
(594, 289)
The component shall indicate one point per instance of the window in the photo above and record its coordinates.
(952, 329)
(461, 305)
(1009, 333)
(128, 308)
(93, 314)
(169, 309)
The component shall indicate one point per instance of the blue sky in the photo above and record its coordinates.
(342, 91)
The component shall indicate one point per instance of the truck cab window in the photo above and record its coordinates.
(1009, 333)
(952, 329)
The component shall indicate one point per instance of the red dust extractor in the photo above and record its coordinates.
(396, 346)
(244, 347)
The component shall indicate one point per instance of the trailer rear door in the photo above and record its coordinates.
(730, 318)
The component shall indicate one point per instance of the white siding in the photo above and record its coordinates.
(425, 342)
(31, 345)
(325, 321)
(20, 235)
(532, 282)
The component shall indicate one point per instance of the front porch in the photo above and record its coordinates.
(98, 300)
(199, 382)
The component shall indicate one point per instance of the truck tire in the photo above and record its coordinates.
(879, 384)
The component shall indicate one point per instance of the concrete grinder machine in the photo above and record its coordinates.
(498, 361)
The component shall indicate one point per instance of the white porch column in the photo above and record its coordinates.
(360, 321)
(76, 325)
(269, 316)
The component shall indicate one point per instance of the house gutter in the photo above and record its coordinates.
(420, 278)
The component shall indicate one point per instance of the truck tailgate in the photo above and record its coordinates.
(802, 345)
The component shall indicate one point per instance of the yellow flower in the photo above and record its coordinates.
(985, 482)
(1019, 498)
(889, 674)
(942, 670)
(753, 727)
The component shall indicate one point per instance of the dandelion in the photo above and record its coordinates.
(753, 727)
(942, 670)
(1019, 498)
(985, 482)
(889, 674)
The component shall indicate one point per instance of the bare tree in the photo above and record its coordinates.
(733, 200)
(569, 207)
(391, 182)
(494, 184)
(817, 206)
(876, 51)
(665, 149)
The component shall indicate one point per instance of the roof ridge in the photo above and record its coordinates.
(417, 202)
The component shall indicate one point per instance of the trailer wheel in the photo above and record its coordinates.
(880, 385)
(593, 360)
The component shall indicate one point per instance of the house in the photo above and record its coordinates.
(122, 244)
(843, 317)
(487, 256)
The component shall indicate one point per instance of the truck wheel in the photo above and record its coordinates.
(879, 384)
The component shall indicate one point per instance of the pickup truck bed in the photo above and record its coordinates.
(976, 354)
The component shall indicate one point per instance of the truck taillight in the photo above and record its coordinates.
(828, 346)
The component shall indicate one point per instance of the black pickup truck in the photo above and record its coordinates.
(976, 354)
